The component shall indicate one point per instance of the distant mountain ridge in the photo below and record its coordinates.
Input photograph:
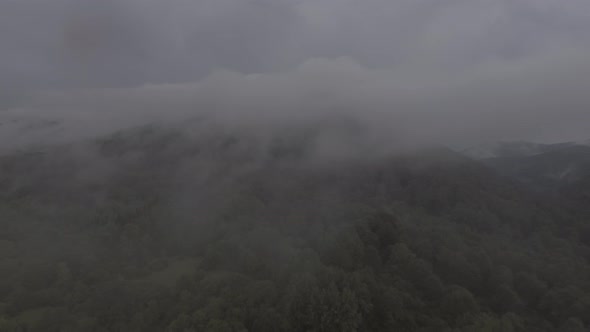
(504, 149)
(562, 169)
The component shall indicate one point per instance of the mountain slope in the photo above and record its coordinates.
(160, 229)
(559, 166)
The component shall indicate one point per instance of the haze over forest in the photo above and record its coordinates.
(294, 165)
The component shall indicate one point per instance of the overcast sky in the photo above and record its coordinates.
(507, 68)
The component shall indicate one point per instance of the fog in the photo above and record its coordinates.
(423, 72)
(280, 165)
(412, 72)
(541, 99)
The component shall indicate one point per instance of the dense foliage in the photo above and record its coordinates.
(150, 231)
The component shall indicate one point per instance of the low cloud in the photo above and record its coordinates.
(543, 98)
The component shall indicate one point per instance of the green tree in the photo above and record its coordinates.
(458, 303)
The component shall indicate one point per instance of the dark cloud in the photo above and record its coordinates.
(131, 42)
(419, 70)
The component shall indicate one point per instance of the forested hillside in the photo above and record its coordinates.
(155, 229)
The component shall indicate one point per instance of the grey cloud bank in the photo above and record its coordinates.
(132, 42)
(412, 71)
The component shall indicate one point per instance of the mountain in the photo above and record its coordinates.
(513, 149)
(553, 168)
(213, 229)
(562, 165)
